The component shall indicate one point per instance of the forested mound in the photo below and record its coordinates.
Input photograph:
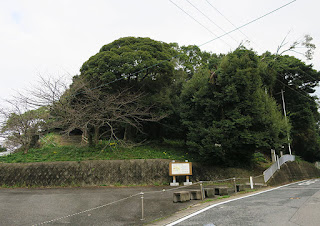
(223, 107)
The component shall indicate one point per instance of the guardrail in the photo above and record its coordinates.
(275, 166)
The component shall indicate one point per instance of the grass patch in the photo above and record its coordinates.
(207, 200)
(224, 197)
(111, 151)
(230, 183)
(247, 191)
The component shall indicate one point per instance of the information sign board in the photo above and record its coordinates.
(180, 168)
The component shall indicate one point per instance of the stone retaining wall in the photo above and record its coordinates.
(294, 171)
(104, 172)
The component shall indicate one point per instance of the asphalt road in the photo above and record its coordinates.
(294, 204)
(86, 206)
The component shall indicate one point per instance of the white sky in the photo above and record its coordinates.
(55, 37)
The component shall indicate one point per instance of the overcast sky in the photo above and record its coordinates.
(55, 37)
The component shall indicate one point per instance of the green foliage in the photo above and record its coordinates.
(191, 59)
(111, 152)
(258, 157)
(23, 128)
(226, 109)
(138, 65)
(298, 80)
(231, 118)
(138, 62)
(298, 159)
(2, 149)
(224, 197)
(49, 140)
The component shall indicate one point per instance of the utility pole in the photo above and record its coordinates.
(285, 118)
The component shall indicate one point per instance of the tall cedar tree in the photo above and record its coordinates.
(229, 117)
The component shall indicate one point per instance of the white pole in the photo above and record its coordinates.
(142, 208)
(285, 118)
(251, 182)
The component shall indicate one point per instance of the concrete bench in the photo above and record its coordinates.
(240, 187)
(195, 195)
(181, 196)
(221, 191)
(209, 192)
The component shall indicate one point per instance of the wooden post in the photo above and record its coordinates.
(201, 190)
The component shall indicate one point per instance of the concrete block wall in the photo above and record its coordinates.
(105, 172)
(294, 171)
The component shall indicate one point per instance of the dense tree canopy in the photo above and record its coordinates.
(134, 62)
(224, 107)
(231, 117)
(298, 80)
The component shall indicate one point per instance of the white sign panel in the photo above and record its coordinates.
(180, 168)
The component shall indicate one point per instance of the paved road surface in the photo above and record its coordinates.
(85, 206)
(295, 204)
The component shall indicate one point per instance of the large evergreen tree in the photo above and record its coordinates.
(298, 81)
(141, 63)
(231, 116)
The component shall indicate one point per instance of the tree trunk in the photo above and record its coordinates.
(96, 135)
(128, 133)
(90, 139)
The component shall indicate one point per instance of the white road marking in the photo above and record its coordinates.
(301, 188)
(217, 204)
(308, 182)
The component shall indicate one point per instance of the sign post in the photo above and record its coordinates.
(180, 169)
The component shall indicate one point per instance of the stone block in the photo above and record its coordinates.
(209, 192)
(221, 191)
(195, 195)
(181, 196)
(240, 187)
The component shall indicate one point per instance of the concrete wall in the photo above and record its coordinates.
(104, 172)
(294, 171)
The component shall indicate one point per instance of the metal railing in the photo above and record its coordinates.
(276, 166)
(286, 158)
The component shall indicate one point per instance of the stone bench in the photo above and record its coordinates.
(181, 196)
(209, 192)
(195, 195)
(240, 187)
(221, 191)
